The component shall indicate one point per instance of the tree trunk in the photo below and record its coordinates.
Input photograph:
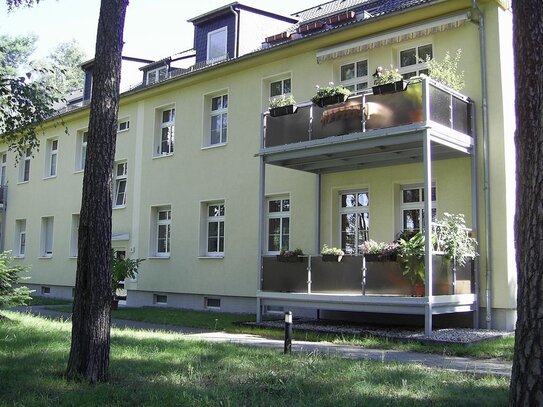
(89, 353)
(527, 380)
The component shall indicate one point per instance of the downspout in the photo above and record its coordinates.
(236, 39)
(486, 164)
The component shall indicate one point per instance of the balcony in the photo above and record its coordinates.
(3, 196)
(371, 130)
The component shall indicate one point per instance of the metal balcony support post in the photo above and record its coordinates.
(309, 130)
(261, 219)
(364, 269)
(428, 269)
(475, 212)
(309, 274)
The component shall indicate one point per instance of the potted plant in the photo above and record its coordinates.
(282, 105)
(290, 256)
(329, 95)
(446, 71)
(412, 253)
(331, 254)
(388, 81)
(121, 269)
(454, 241)
(380, 251)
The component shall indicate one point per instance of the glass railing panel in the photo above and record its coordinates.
(338, 119)
(461, 115)
(291, 128)
(386, 278)
(284, 277)
(344, 277)
(440, 106)
(394, 109)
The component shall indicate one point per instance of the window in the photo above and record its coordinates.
(3, 168)
(215, 229)
(20, 237)
(157, 75)
(413, 60)
(160, 299)
(81, 149)
(278, 225)
(123, 125)
(46, 290)
(354, 76)
(355, 220)
(24, 166)
(281, 87)
(412, 207)
(52, 155)
(47, 236)
(166, 132)
(74, 235)
(216, 44)
(219, 120)
(162, 231)
(120, 185)
(213, 303)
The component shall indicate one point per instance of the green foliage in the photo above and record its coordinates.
(121, 269)
(281, 101)
(291, 253)
(385, 76)
(412, 252)
(15, 53)
(380, 248)
(446, 71)
(11, 292)
(12, 4)
(334, 251)
(453, 239)
(329, 91)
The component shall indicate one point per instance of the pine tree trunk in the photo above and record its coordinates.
(89, 353)
(527, 379)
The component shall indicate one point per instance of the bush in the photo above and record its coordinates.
(11, 293)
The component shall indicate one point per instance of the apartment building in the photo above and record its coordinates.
(208, 187)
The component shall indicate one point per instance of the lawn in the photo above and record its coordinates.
(164, 369)
(497, 348)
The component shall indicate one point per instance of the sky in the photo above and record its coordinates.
(154, 29)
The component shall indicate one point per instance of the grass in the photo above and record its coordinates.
(48, 301)
(164, 369)
(497, 348)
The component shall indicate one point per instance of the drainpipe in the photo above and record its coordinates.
(236, 40)
(486, 164)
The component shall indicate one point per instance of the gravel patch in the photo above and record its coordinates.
(464, 336)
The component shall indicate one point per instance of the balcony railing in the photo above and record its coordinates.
(313, 276)
(423, 100)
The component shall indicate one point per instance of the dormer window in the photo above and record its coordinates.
(216, 44)
(157, 75)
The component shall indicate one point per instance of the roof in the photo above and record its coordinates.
(235, 5)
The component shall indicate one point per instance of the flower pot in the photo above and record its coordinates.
(398, 86)
(289, 259)
(283, 110)
(331, 257)
(330, 100)
(380, 257)
(114, 304)
(418, 290)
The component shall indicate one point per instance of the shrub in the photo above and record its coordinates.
(11, 292)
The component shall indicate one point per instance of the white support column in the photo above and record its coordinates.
(428, 271)
(261, 220)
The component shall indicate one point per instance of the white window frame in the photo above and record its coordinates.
(221, 112)
(121, 184)
(156, 75)
(219, 220)
(210, 36)
(359, 211)
(24, 166)
(52, 158)
(47, 230)
(162, 224)
(123, 125)
(20, 239)
(81, 150)
(355, 84)
(74, 237)
(165, 141)
(285, 91)
(281, 215)
(418, 206)
(419, 66)
(3, 168)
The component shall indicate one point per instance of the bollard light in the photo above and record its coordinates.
(288, 332)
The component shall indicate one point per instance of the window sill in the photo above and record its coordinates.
(50, 177)
(79, 171)
(46, 257)
(19, 257)
(215, 146)
(22, 182)
(119, 207)
(156, 157)
(72, 257)
(123, 131)
(159, 257)
(212, 257)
